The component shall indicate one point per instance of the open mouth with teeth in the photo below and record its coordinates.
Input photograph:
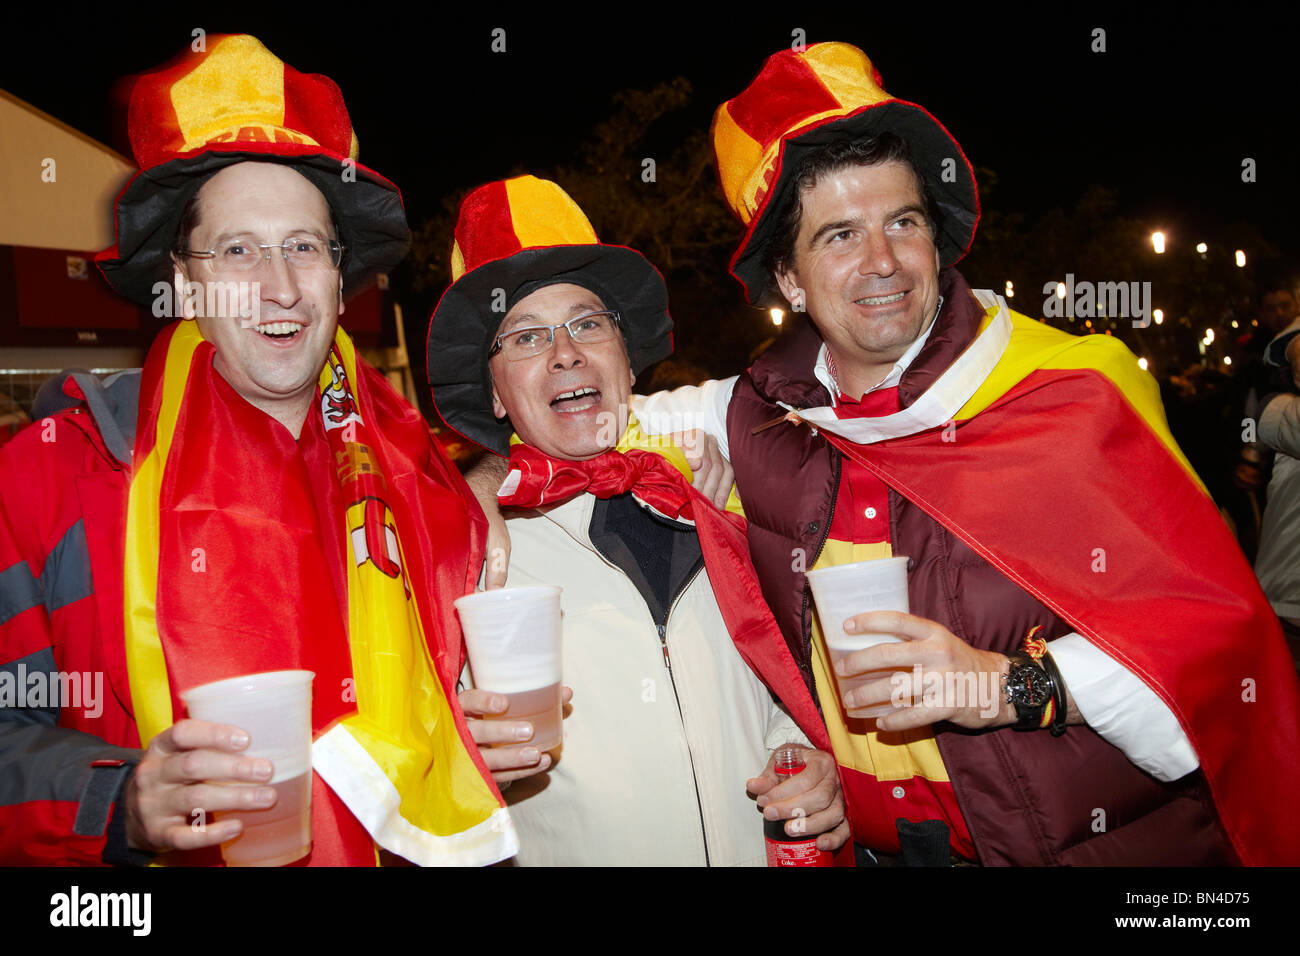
(577, 400)
(881, 299)
(280, 331)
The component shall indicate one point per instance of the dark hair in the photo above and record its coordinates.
(819, 161)
(190, 218)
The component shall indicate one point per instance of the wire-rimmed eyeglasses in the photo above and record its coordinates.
(589, 328)
(242, 255)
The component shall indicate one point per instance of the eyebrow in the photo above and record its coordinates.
(839, 224)
(578, 308)
(291, 234)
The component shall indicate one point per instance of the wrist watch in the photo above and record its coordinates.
(1027, 687)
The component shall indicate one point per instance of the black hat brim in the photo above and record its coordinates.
(368, 208)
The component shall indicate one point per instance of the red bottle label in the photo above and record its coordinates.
(801, 853)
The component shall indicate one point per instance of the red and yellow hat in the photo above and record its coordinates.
(234, 102)
(807, 98)
(512, 237)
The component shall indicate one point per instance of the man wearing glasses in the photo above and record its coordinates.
(540, 335)
(255, 499)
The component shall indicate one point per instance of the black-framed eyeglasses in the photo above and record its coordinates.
(242, 255)
(590, 328)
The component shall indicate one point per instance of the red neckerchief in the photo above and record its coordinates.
(543, 480)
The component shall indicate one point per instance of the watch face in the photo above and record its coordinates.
(1028, 684)
(1037, 686)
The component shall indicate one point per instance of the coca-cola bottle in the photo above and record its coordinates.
(783, 849)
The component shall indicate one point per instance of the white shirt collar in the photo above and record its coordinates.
(823, 371)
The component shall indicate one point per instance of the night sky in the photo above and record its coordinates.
(1165, 115)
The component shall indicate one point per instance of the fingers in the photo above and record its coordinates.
(808, 793)
(495, 733)
(835, 839)
(476, 701)
(894, 623)
(193, 734)
(713, 474)
(508, 764)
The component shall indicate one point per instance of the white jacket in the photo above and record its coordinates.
(639, 782)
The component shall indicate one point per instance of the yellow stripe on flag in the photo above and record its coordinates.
(151, 700)
(1035, 345)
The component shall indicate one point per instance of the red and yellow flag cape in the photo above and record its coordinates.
(1060, 471)
(206, 472)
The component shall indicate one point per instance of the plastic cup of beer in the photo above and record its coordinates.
(845, 591)
(274, 709)
(513, 639)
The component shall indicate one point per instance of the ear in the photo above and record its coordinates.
(498, 409)
(181, 279)
(787, 281)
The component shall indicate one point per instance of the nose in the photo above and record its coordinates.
(565, 353)
(878, 257)
(278, 282)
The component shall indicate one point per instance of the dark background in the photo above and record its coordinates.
(1079, 154)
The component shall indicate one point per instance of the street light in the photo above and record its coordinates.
(1011, 290)
(1159, 315)
(1241, 259)
(1202, 248)
(1158, 242)
(1142, 364)
(777, 316)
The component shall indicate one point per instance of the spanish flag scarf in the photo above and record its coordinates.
(230, 530)
(658, 479)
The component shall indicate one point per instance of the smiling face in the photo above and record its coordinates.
(571, 401)
(274, 362)
(865, 268)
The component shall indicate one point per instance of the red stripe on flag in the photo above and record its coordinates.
(1061, 466)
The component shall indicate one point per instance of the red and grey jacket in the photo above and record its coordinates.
(1027, 798)
(62, 495)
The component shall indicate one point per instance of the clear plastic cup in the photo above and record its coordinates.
(513, 639)
(274, 708)
(847, 590)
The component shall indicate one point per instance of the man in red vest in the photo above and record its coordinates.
(1128, 700)
(257, 498)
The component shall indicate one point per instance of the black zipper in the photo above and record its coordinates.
(663, 643)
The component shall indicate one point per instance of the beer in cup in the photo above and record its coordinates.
(274, 709)
(845, 591)
(513, 639)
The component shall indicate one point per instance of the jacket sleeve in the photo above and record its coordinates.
(686, 408)
(781, 728)
(58, 787)
(1279, 425)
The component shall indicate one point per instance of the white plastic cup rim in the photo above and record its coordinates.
(536, 593)
(266, 683)
(861, 573)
